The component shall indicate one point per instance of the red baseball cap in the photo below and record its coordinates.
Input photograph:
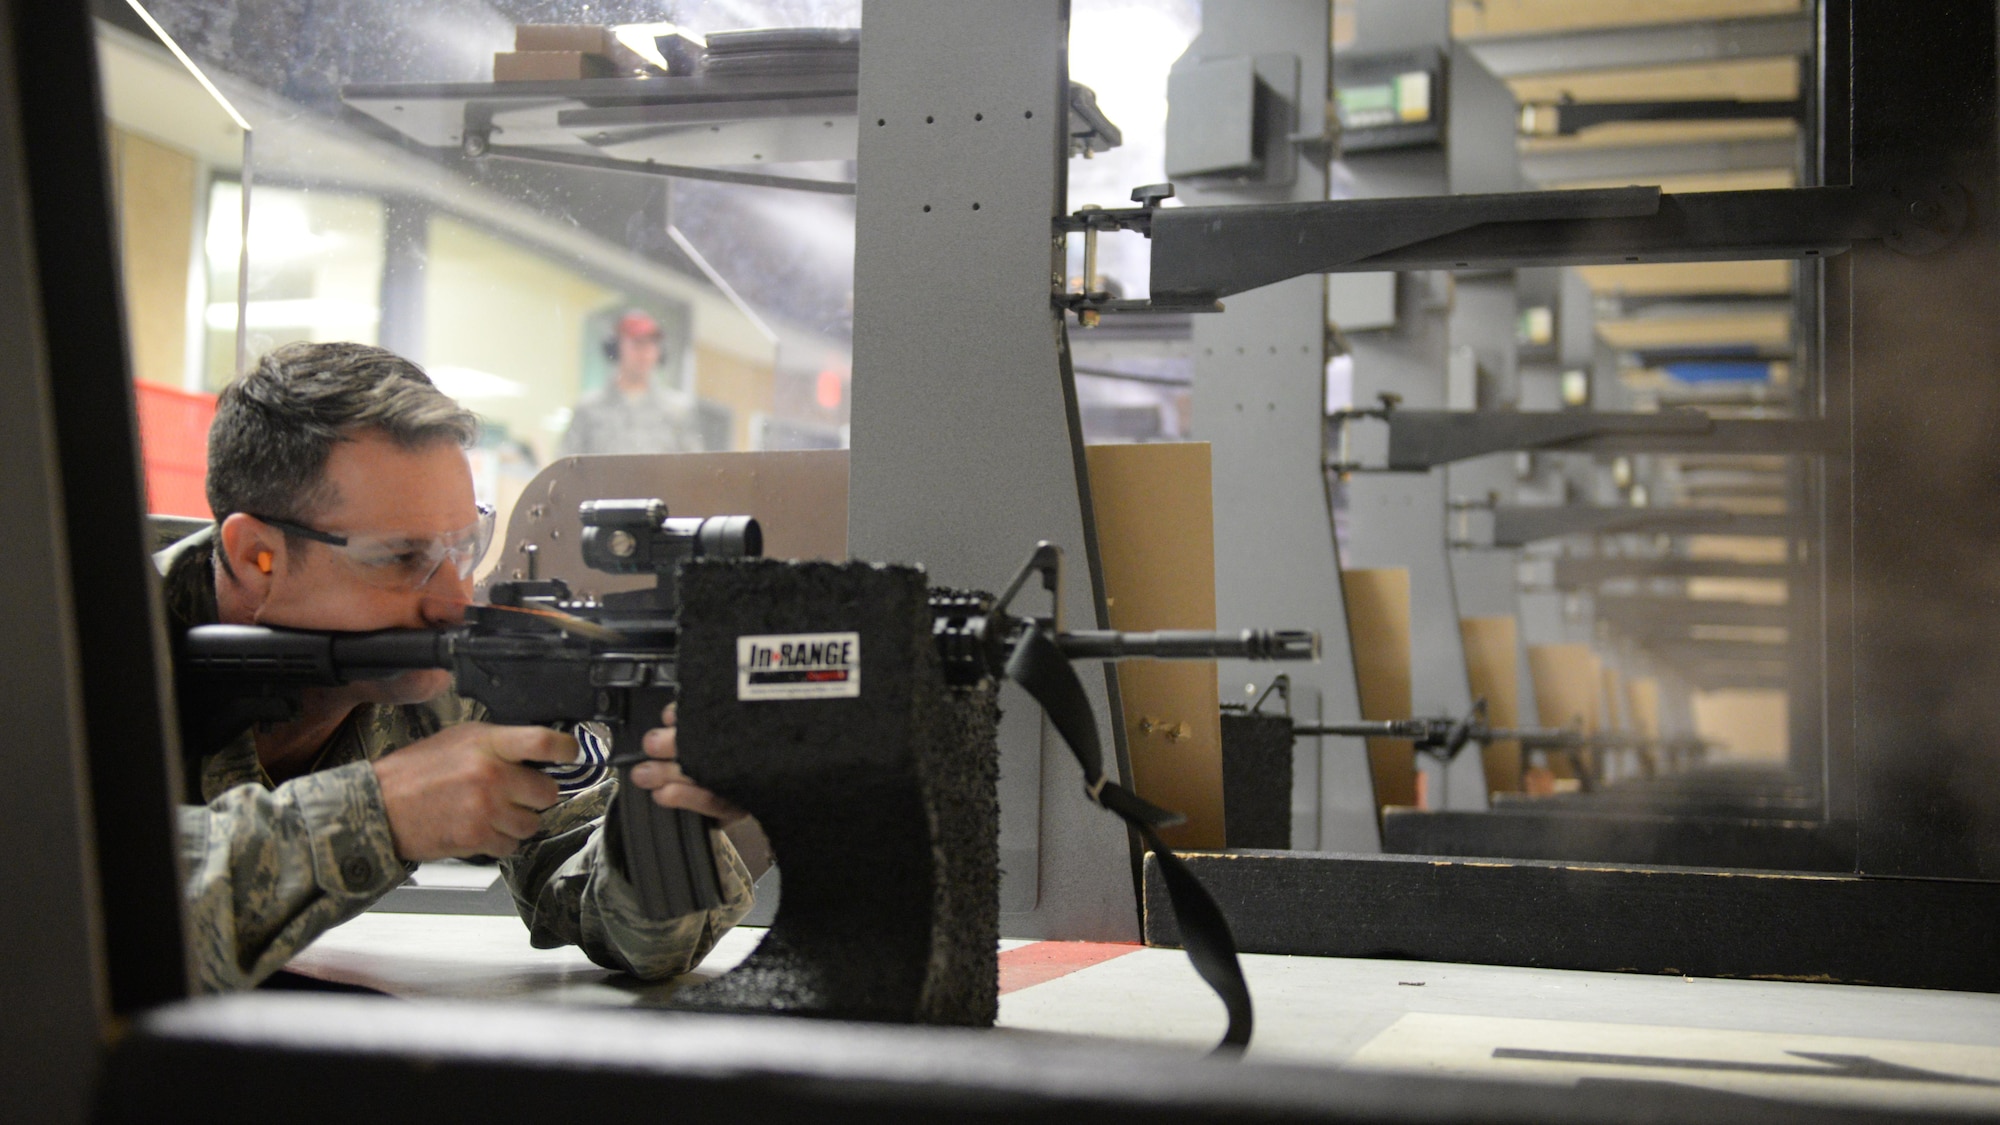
(637, 324)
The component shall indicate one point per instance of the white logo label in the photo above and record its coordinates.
(799, 666)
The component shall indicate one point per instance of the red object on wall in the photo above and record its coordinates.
(173, 440)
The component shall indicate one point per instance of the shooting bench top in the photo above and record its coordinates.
(1529, 1025)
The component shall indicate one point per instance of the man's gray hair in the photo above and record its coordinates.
(276, 426)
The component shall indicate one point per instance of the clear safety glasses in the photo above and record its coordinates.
(403, 562)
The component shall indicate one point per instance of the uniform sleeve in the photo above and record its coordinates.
(269, 870)
(568, 893)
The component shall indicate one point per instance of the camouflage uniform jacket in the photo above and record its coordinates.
(271, 867)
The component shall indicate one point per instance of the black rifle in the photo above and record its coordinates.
(536, 655)
(1443, 738)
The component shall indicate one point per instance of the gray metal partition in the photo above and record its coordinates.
(60, 970)
(966, 448)
(51, 946)
(1259, 396)
(1451, 349)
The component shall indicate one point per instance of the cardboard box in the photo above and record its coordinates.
(589, 39)
(548, 66)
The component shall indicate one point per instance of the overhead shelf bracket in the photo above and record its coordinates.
(1421, 440)
(1202, 254)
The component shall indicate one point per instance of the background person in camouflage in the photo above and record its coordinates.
(303, 825)
(633, 412)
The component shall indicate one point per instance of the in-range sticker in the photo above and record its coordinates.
(799, 666)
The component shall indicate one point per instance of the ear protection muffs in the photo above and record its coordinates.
(635, 322)
(264, 561)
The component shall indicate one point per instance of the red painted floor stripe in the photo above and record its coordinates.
(1028, 965)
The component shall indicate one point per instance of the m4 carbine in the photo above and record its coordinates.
(537, 655)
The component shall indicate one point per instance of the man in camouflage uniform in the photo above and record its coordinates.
(632, 412)
(344, 501)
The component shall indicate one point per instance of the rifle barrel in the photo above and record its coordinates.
(1383, 729)
(1419, 729)
(1191, 644)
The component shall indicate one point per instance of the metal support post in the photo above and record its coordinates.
(967, 448)
(1919, 346)
(1403, 520)
(1259, 396)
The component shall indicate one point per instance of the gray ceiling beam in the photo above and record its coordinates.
(1644, 162)
(1753, 37)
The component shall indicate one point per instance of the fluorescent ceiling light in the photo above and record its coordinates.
(467, 382)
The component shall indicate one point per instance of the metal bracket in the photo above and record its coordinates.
(1280, 686)
(1046, 561)
(1201, 254)
(1090, 304)
(1090, 132)
(1567, 118)
(1924, 216)
(1421, 440)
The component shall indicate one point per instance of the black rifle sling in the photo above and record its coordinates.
(1047, 675)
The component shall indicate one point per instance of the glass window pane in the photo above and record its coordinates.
(315, 270)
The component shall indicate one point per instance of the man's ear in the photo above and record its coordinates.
(254, 550)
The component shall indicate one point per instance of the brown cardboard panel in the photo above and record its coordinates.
(1677, 278)
(1155, 513)
(1378, 621)
(1694, 331)
(549, 66)
(1747, 725)
(590, 38)
(155, 196)
(1642, 705)
(1492, 665)
(587, 39)
(1744, 79)
(1526, 17)
(1612, 699)
(1567, 682)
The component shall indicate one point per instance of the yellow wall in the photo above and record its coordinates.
(493, 307)
(155, 187)
(315, 270)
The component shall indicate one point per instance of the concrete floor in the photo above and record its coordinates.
(1834, 1044)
